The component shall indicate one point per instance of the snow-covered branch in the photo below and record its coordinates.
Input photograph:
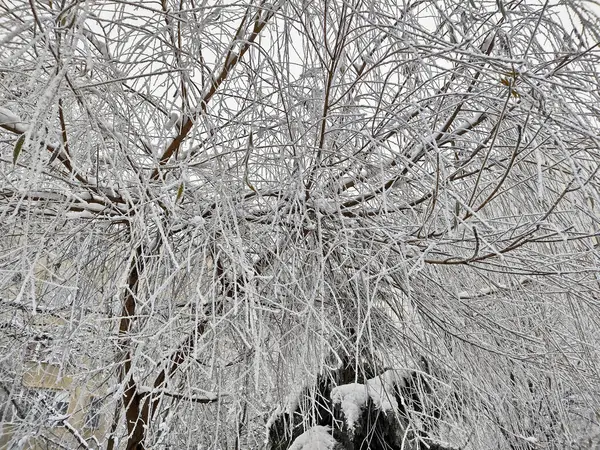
(11, 122)
(196, 398)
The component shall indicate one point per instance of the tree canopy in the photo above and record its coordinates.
(218, 203)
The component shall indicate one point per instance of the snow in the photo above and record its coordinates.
(58, 417)
(316, 438)
(381, 390)
(7, 117)
(354, 396)
(93, 207)
(173, 118)
(465, 125)
(272, 419)
(198, 220)
(290, 404)
(325, 206)
(62, 419)
(79, 215)
(525, 280)
(488, 43)
(293, 398)
(310, 226)
(204, 397)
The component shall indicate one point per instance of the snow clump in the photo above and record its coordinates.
(354, 396)
(315, 438)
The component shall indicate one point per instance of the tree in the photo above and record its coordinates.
(218, 202)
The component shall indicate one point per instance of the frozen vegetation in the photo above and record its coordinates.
(351, 224)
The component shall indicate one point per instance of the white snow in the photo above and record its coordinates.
(381, 390)
(293, 398)
(205, 396)
(290, 404)
(272, 419)
(354, 396)
(173, 118)
(525, 280)
(7, 117)
(198, 220)
(489, 40)
(93, 207)
(325, 206)
(463, 126)
(75, 433)
(79, 215)
(316, 438)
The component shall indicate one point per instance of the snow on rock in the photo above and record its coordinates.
(290, 402)
(316, 438)
(354, 396)
(271, 421)
(381, 390)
